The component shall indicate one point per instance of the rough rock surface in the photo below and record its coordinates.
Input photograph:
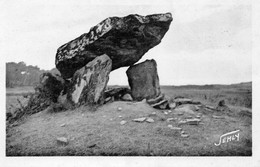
(89, 83)
(117, 92)
(125, 40)
(143, 80)
(51, 86)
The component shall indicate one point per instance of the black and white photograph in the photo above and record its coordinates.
(144, 80)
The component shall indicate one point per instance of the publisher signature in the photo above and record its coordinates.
(228, 137)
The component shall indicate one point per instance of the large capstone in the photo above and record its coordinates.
(124, 39)
(143, 80)
(88, 83)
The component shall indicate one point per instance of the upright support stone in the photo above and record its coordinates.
(143, 80)
(88, 83)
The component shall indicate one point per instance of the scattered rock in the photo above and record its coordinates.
(169, 111)
(120, 116)
(119, 109)
(184, 135)
(210, 107)
(176, 128)
(218, 117)
(194, 121)
(123, 122)
(170, 126)
(172, 105)
(127, 97)
(124, 39)
(188, 117)
(117, 93)
(139, 119)
(89, 82)
(92, 145)
(156, 100)
(143, 80)
(221, 103)
(170, 119)
(62, 140)
(108, 99)
(149, 120)
(182, 122)
(62, 125)
(166, 113)
(182, 132)
(181, 100)
(185, 109)
(161, 105)
(245, 112)
(196, 107)
(153, 113)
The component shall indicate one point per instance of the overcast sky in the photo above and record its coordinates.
(209, 42)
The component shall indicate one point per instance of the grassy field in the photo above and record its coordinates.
(99, 132)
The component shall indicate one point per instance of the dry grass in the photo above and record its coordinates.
(99, 132)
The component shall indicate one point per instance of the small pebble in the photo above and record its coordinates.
(153, 113)
(123, 122)
(170, 126)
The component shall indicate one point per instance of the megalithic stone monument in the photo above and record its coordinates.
(124, 39)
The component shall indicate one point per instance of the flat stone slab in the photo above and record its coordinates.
(139, 119)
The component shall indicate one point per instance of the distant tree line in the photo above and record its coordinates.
(19, 74)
